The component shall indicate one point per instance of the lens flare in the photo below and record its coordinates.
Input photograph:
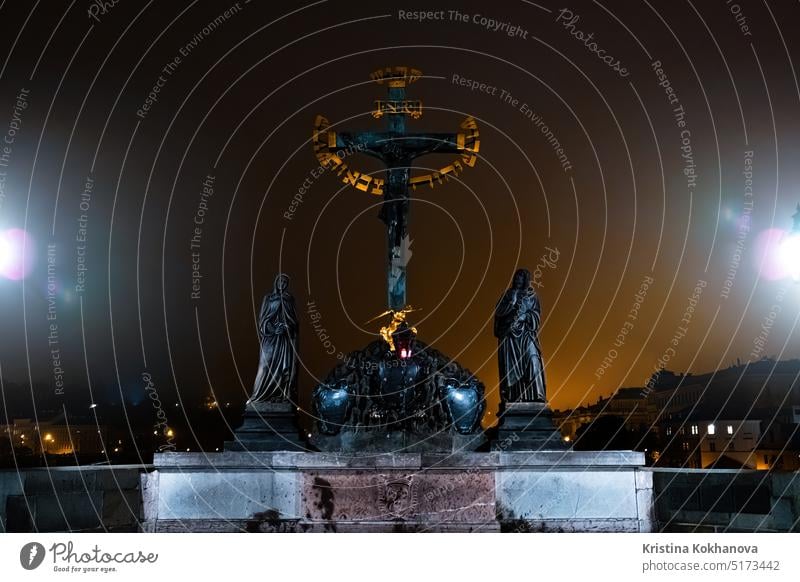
(789, 253)
(16, 254)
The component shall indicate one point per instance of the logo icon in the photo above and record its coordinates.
(31, 555)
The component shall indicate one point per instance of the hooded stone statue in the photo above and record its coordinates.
(516, 325)
(276, 380)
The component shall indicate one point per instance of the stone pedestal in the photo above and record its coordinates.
(374, 441)
(268, 426)
(527, 426)
(398, 492)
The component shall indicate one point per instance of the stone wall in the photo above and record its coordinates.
(71, 499)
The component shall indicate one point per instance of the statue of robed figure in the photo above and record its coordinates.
(516, 325)
(276, 380)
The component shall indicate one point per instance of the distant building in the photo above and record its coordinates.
(628, 403)
(54, 437)
(745, 416)
(743, 439)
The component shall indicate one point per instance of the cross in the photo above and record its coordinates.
(397, 149)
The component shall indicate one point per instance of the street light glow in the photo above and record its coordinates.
(777, 254)
(16, 254)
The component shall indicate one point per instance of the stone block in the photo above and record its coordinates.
(567, 494)
(68, 511)
(432, 498)
(224, 495)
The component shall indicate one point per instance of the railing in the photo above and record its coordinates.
(726, 500)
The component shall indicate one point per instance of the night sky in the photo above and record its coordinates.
(644, 173)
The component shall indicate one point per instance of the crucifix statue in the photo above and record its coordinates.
(397, 149)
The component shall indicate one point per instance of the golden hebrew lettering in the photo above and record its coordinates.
(342, 168)
(421, 180)
(363, 183)
(324, 141)
(351, 177)
(329, 160)
(447, 170)
(377, 186)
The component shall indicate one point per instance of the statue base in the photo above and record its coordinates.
(373, 441)
(546, 491)
(527, 426)
(267, 426)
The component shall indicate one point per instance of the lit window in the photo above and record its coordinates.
(669, 430)
(695, 429)
(729, 429)
(712, 429)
